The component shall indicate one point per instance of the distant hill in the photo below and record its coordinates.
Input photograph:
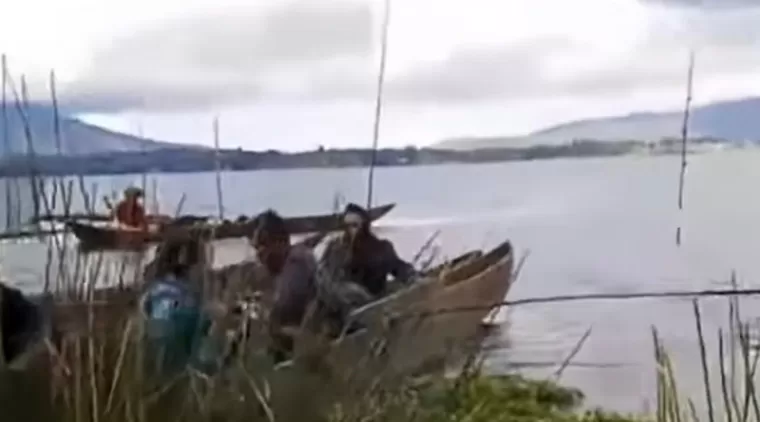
(735, 120)
(77, 137)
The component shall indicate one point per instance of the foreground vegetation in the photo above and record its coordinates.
(104, 377)
(79, 396)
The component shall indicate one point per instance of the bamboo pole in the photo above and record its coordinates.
(6, 144)
(217, 167)
(378, 101)
(38, 183)
(684, 139)
(56, 134)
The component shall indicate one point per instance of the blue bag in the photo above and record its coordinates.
(175, 324)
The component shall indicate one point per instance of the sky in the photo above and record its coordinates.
(297, 74)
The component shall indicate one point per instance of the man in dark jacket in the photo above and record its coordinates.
(361, 257)
(292, 270)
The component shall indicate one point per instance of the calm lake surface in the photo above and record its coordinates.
(590, 226)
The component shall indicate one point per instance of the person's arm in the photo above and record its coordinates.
(294, 290)
(140, 215)
(330, 262)
(398, 268)
(243, 277)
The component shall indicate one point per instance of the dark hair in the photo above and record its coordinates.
(357, 209)
(272, 226)
(177, 255)
(362, 212)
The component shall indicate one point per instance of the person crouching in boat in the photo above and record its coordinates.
(130, 211)
(292, 273)
(361, 257)
(176, 320)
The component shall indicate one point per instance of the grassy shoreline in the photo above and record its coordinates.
(101, 376)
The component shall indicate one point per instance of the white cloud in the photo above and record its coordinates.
(227, 56)
(486, 51)
(455, 67)
(704, 4)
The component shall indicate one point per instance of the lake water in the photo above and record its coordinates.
(590, 226)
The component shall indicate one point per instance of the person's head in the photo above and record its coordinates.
(271, 240)
(133, 193)
(356, 221)
(177, 255)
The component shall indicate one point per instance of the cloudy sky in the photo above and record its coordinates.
(294, 74)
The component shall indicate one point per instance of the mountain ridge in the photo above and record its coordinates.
(77, 136)
(734, 120)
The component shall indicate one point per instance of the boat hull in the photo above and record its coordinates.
(93, 237)
(438, 320)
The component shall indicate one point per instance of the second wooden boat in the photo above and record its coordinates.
(92, 237)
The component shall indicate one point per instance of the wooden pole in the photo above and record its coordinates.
(217, 166)
(6, 144)
(684, 139)
(378, 101)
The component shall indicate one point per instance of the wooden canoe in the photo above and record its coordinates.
(70, 311)
(111, 306)
(437, 319)
(92, 237)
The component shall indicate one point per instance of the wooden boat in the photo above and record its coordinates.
(435, 320)
(71, 310)
(93, 237)
(103, 218)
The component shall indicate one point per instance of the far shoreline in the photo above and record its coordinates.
(193, 160)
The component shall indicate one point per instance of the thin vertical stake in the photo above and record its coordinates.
(217, 165)
(6, 144)
(684, 139)
(37, 190)
(378, 101)
(144, 154)
(56, 133)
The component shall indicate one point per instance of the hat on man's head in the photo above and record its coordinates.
(133, 191)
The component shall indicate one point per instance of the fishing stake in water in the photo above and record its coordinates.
(217, 167)
(684, 139)
(378, 100)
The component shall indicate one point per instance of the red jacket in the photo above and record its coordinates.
(131, 214)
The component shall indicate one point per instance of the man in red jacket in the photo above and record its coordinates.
(130, 212)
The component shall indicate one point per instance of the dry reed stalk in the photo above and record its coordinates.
(703, 360)
(6, 143)
(575, 350)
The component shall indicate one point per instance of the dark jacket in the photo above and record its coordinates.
(295, 287)
(367, 262)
